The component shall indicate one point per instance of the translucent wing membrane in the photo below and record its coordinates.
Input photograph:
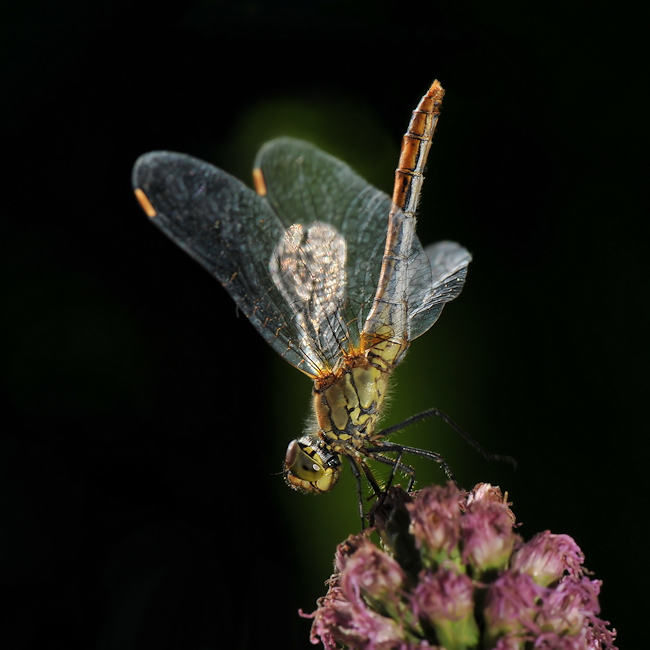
(232, 232)
(304, 185)
(428, 292)
(308, 266)
(302, 261)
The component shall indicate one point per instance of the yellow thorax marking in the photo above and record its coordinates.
(349, 407)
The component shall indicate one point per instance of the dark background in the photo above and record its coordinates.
(143, 419)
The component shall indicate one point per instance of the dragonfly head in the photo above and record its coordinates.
(310, 467)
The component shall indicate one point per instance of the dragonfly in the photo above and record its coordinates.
(330, 272)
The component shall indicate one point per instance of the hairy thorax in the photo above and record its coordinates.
(348, 403)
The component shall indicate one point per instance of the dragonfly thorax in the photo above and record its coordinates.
(347, 408)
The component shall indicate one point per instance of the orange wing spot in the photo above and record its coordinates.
(258, 181)
(145, 203)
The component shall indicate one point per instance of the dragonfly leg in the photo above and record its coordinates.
(434, 412)
(431, 455)
(407, 469)
(357, 476)
(354, 466)
(396, 465)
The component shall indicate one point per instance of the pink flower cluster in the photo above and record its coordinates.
(453, 574)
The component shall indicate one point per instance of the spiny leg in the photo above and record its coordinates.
(434, 412)
(404, 449)
(396, 466)
(354, 466)
(357, 476)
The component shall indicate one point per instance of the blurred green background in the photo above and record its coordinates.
(144, 419)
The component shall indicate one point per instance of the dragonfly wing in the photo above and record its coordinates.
(305, 185)
(308, 266)
(448, 264)
(234, 234)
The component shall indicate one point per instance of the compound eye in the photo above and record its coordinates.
(301, 464)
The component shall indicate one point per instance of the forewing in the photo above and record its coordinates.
(233, 233)
(448, 262)
(305, 185)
